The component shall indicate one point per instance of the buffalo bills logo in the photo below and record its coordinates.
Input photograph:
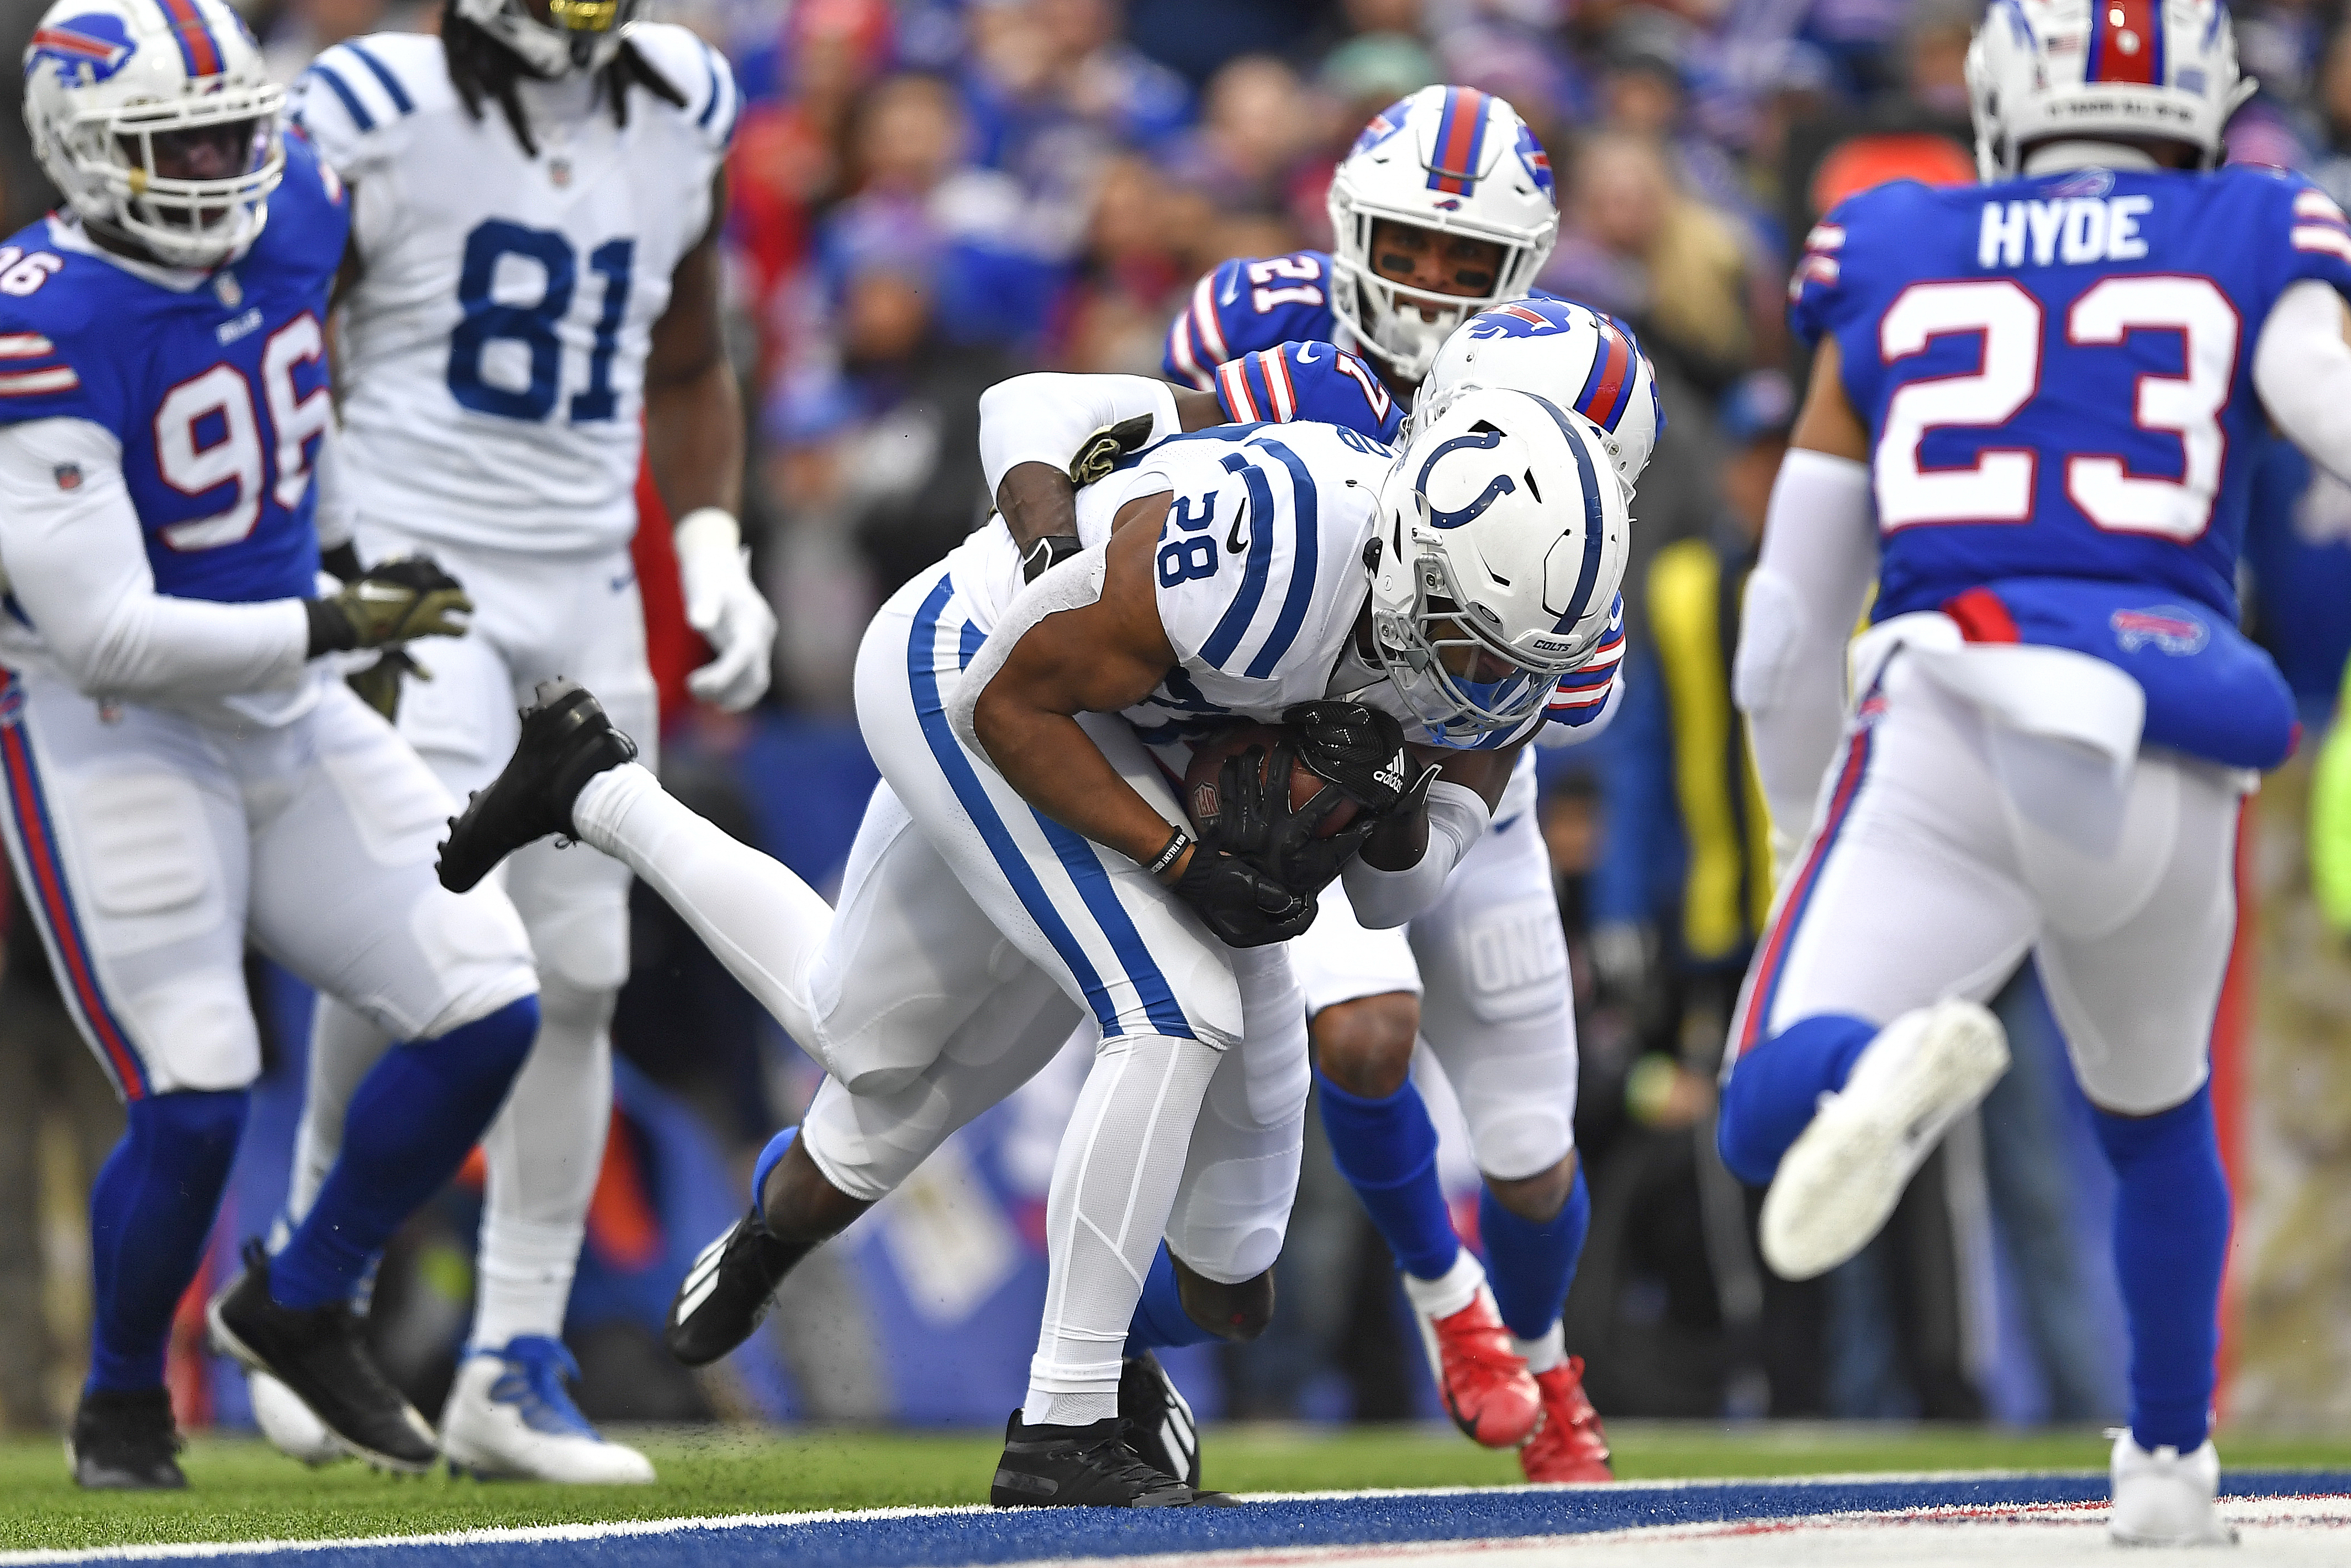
(12, 703)
(2167, 627)
(2088, 182)
(83, 50)
(1450, 205)
(1522, 319)
(1537, 161)
(1385, 124)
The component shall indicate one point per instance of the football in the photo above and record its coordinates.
(1202, 799)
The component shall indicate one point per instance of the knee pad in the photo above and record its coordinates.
(578, 935)
(195, 1032)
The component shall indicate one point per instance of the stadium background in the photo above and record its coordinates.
(930, 195)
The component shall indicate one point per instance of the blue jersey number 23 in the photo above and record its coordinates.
(488, 321)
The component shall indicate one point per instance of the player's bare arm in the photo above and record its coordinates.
(694, 412)
(1097, 658)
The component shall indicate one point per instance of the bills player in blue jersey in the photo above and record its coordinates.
(184, 773)
(1444, 208)
(1025, 867)
(2027, 423)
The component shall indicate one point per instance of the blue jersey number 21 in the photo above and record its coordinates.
(533, 326)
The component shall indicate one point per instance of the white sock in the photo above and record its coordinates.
(546, 1150)
(1543, 1354)
(765, 923)
(1114, 1181)
(1443, 1297)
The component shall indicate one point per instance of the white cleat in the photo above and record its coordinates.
(288, 1422)
(2166, 1498)
(1840, 1180)
(510, 1417)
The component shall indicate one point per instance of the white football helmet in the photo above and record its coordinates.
(2101, 70)
(1502, 539)
(578, 35)
(1451, 159)
(117, 90)
(1585, 362)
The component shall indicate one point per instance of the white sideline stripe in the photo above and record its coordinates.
(621, 1529)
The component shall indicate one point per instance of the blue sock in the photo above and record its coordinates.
(2171, 1242)
(1772, 1091)
(768, 1159)
(1529, 1267)
(151, 1212)
(1387, 1151)
(413, 1119)
(1160, 1320)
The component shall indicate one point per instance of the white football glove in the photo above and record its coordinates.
(723, 606)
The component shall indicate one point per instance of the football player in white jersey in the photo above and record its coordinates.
(533, 278)
(1025, 863)
(1444, 207)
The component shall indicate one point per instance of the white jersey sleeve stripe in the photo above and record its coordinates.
(1204, 319)
(1233, 383)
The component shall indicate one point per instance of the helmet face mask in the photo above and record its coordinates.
(575, 35)
(1455, 162)
(163, 137)
(1504, 536)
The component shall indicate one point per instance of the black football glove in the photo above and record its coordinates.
(390, 602)
(1355, 747)
(378, 685)
(1243, 905)
(1303, 861)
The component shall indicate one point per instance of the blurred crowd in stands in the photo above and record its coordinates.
(929, 195)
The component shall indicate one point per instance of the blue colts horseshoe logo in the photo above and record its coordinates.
(1502, 485)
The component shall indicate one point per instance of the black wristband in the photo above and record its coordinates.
(1047, 552)
(1177, 842)
(331, 631)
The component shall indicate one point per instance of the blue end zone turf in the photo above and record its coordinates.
(920, 1539)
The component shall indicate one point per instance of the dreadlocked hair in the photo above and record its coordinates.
(483, 70)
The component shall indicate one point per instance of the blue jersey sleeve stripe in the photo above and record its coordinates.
(351, 101)
(709, 65)
(1304, 562)
(376, 68)
(1237, 615)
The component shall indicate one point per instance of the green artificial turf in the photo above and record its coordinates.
(241, 1491)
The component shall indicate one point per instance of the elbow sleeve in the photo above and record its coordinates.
(1458, 817)
(1046, 417)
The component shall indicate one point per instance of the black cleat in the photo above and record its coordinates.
(1085, 1467)
(1159, 1424)
(566, 739)
(730, 1288)
(125, 1442)
(319, 1355)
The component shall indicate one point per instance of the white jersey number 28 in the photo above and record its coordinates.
(1998, 486)
(506, 358)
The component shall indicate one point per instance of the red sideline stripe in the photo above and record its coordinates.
(1792, 912)
(195, 39)
(1464, 115)
(32, 826)
(1607, 385)
(1981, 616)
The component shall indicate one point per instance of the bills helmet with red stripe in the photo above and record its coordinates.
(1451, 159)
(2101, 70)
(1585, 362)
(157, 122)
(1503, 536)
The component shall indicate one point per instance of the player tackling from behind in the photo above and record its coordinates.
(533, 273)
(1443, 208)
(2045, 389)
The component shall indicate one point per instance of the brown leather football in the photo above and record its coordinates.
(1201, 794)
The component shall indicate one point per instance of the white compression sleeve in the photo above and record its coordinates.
(2301, 368)
(765, 923)
(1046, 417)
(337, 512)
(1819, 557)
(1458, 817)
(77, 561)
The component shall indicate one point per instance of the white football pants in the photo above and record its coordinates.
(973, 935)
(151, 848)
(1488, 961)
(535, 617)
(1945, 846)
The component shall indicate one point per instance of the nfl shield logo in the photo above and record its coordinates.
(68, 475)
(228, 290)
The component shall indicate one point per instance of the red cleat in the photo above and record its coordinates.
(1484, 1383)
(1570, 1446)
